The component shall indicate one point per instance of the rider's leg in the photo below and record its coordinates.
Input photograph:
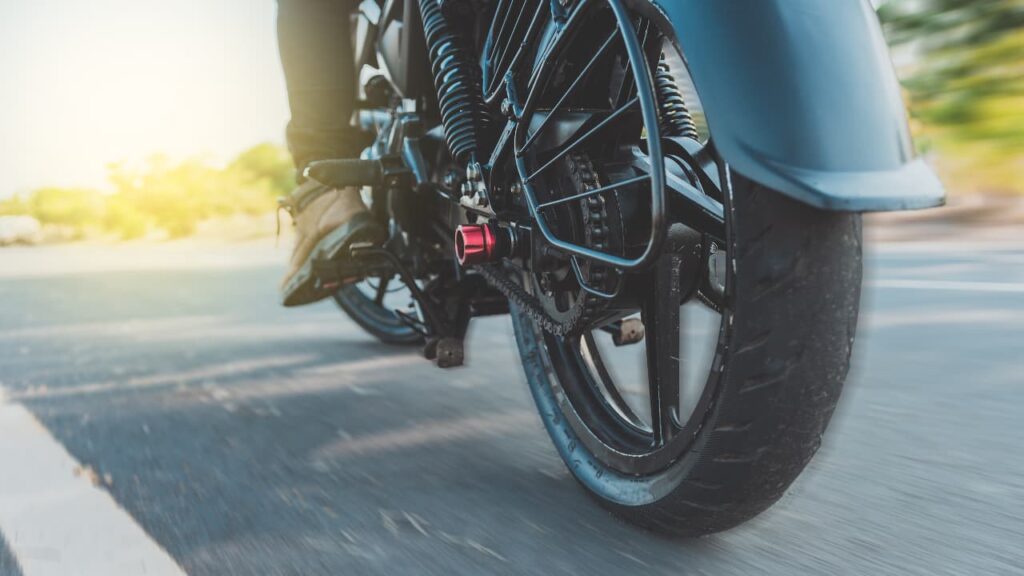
(316, 54)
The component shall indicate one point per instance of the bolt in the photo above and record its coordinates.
(451, 179)
(473, 171)
(549, 251)
(516, 189)
(545, 284)
(506, 107)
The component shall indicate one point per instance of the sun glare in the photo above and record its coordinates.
(90, 83)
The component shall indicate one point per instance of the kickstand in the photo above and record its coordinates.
(444, 329)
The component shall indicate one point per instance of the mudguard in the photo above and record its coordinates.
(801, 96)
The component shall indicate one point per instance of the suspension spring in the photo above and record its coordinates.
(676, 119)
(458, 84)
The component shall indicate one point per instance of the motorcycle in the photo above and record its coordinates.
(665, 197)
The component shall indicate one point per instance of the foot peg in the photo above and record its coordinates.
(341, 173)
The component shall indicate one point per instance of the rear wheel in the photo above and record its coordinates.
(731, 440)
(749, 313)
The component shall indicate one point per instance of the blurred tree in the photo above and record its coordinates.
(14, 206)
(268, 162)
(177, 197)
(73, 208)
(162, 195)
(966, 85)
(124, 219)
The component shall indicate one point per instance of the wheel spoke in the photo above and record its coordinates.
(661, 328)
(570, 90)
(592, 354)
(497, 35)
(509, 48)
(579, 140)
(554, 49)
(628, 86)
(595, 191)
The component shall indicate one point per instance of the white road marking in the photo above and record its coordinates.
(945, 249)
(908, 284)
(57, 522)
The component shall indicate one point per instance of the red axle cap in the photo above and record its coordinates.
(474, 244)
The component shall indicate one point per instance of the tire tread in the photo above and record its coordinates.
(797, 290)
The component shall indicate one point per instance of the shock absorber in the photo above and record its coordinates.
(458, 83)
(676, 119)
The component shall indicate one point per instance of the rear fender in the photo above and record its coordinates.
(801, 96)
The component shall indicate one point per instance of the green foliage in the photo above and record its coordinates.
(124, 219)
(270, 163)
(164, 196)
(76, 209)
(14, 206)
(966, 85)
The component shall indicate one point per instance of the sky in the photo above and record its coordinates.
(84, 83)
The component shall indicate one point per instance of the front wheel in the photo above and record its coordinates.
(694, 438)
(373, 305)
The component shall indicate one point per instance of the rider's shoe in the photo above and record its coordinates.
(327, 222)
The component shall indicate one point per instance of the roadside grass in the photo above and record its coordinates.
(161, 199)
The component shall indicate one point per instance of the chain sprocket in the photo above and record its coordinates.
(598, 230)
(598, 234)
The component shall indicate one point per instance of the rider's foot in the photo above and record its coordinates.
(327, 222)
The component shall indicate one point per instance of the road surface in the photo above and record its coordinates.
(163, 415)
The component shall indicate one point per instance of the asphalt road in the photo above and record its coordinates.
(247, 439)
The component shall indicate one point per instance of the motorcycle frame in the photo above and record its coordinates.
(806, 134)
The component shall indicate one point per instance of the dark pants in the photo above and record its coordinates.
(316, 52)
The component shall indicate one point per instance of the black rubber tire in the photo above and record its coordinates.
(785, 342)
(381, 323)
